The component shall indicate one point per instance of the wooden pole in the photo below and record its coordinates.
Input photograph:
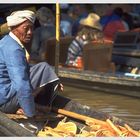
(77, 116)
(60, 111)
(57, 37)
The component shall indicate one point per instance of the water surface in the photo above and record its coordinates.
(124, 107)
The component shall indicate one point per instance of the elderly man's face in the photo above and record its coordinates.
(24, 31)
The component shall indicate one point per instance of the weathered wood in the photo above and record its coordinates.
(126, 60)
(11, 128)
(68, 107)
(126, 52)
(83, 110)
(50, 49)
(106, 82)
(128, 40)
(38, 118)
(78, 116)
(114, 79)
(126, 49)
(98, 57)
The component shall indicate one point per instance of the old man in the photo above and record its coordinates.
(18, 79)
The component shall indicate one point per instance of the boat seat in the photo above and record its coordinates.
(50, 46)
(127, 40)
(126, 61)
(97, 57)
(126, 49)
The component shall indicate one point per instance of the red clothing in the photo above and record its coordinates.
(112, 27)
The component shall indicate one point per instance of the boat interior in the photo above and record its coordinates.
(121, 56)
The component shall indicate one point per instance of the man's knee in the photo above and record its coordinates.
(43, 64)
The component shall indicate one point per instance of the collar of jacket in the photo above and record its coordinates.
(19, 42)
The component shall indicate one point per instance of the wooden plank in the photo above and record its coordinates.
(128, 39)
(124, 60)
(126, 52)
(50, 49)
(14, 129)
(127, 46)
(104, 78)
(37, 118)
(97, 57)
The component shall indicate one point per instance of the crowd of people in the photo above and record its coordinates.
(84, 28)
(71, 16)
(112, 19)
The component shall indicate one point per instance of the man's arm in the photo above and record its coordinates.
(19, 75)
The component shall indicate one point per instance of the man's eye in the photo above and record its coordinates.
(27, 28)
(24, 27)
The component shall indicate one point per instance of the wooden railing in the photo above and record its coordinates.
(126, 49)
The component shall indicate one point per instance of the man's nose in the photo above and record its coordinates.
(30, 31)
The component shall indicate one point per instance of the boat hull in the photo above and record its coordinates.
(106, 82)
(12, 128)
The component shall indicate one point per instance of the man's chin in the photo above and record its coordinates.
(27, 41)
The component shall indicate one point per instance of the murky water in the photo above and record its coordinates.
(126, 108)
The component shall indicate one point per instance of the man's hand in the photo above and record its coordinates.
(20, 111)
(60, 87)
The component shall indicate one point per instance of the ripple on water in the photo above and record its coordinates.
(126, 108)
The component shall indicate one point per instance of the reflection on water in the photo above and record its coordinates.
(126, 108)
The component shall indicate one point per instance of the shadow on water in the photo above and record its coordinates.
(124, 107)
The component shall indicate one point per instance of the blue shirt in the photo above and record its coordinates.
(14, 75)
(109, 18)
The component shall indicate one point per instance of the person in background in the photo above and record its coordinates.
(42, 33)
(90, 30)
(23, 86)
(128, 19)
(79, 11)
(113, 22)
(66, 21)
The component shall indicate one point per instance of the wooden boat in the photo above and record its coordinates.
(99, 71)
(106, 82)
(71, 110)
(126, 47)
(9, 127)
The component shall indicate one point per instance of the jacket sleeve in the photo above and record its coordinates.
(18, 71)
